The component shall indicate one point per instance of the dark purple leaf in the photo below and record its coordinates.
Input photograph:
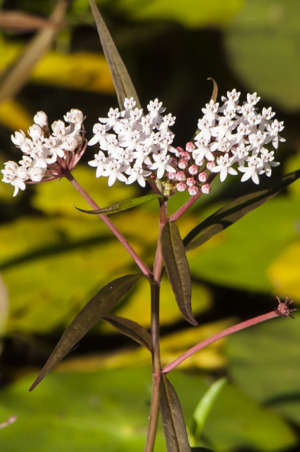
(178, 269)
(172, 418)
(93, 311)
(123, 205)
(236, 210)
(122, 82)
(132, 329)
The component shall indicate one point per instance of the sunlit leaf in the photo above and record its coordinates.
(123, 84)
(236, 210)
(178, 269)
(123, 205)
(93, 311)
(16, 76)
(172, 418)
(192, 13)
(15, 116)
(205, 405)
(132, 329)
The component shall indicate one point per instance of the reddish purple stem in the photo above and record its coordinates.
(216, 337)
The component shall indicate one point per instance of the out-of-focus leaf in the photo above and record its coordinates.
(262, 41)
(123, 84)
(172, 418)
(284, 272)
(241, 255)
(236, 210)
(236, 421)
(14, 116)
(4, 307)
(123, 205)
(265, 363)
(21, 21)
(192, 13)
(178, 269)
(98, 411)
(205, 405)
(14, 78)
(93, 311)
(79, 70)
(132, 329)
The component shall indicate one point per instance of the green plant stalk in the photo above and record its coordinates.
(156, 365)
(143, 267)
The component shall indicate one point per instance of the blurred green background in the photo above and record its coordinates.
(53, 258)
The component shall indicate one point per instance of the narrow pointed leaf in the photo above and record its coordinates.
(236, 210)
(178, 269)
(15, 77)
(214, 94)
(93, 311)
(205, 405)
(132, 329)
(123, 205)
(172, 418)
(123, 84)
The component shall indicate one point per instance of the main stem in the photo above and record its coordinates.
(143, 267)
(156, 366)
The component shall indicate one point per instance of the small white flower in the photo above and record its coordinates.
(223, 167)
(40, 118)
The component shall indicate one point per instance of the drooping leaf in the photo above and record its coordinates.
(123, 84)
(15, 77)
(236, 210)
(93, 311)
(123, 205)
(205, 405)
(178, 269)
(132, 329)
(172, 418)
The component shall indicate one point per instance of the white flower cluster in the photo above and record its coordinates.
(234, 134)
(45, 155)
(139, 147)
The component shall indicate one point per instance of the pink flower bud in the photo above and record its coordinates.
(210, 165)
(190, 181)
(193, 190)
(199, 162)
(180, 176)
(193, 170)
(171, 176)
(182, 164)
(202, 177)
(189, 146)
(181, 186)
(205, 189)
(185, 156)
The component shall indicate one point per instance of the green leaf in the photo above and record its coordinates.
(236, 210)
(178, 269)
(15, 77)
(123, 205)
(172, 418)
(205, 405)
(264, 52)
(93, 311)
(123, 84)
(132, 329)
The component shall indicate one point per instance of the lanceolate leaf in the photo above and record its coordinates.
(172, 418)
(132, 329)
(123, 205)
(178, 269)
(123, 84)
(93, 311)
(235, 210)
